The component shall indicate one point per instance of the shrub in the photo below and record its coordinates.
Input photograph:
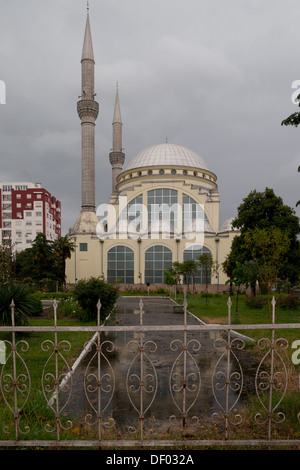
(87, 293)
(26, 304)
(289, 302)
(255, 302)
(161, 290)
(69, 307)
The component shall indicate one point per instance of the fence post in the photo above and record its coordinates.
(228, 348)
(99, 384)
(272, 369)
(15, 382)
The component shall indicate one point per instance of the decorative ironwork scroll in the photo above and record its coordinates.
(99, 380)
(15, 383)
(271, 378)
(54, 382)
(141, 382)
(228, 378)
(185, 378)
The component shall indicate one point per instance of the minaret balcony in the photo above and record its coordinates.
(117, 159)
(88, 109)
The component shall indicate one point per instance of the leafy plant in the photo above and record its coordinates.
(87, 293)
(255, 302)
(289, 302)
(69, 307)
(26, 304)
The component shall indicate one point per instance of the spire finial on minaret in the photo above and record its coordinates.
(87, 50)
(88, 6)
(117, 157)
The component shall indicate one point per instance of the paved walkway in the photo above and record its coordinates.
(163, 361)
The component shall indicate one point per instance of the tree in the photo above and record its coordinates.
(63, 248)
(25, 266)
(206, 263)
(44, 260)
(268, 248)
(172, 277)
(264, 210)
(298, 203)
(189, 268)
(239, 278)
(42, 253)
(249, 266)
(293, 119)
(7, 264)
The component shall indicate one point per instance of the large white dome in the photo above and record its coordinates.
(167, 155)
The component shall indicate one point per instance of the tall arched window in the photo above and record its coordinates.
(193, 253)
(120, 265)
(131, 218)
(162, 205)
(157, 260)
(193, 215)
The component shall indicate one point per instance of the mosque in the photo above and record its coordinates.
(164, 205)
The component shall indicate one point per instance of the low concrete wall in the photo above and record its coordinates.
(198, 288)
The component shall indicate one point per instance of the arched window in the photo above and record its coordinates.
(193, 253)
(157, 260)
(193, 216)
(131, 218)
(120, 265)
(162, 205)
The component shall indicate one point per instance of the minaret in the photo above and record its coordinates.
(117, 157)
(88, 110)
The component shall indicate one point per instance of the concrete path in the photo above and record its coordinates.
(164, 361)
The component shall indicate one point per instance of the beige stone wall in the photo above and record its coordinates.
(131, 184)
(93, 263)
(84, 264)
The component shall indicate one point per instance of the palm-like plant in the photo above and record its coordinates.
(25, 304)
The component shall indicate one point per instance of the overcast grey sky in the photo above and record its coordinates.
(215, 76)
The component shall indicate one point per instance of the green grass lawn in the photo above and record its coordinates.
(215, 310)
(31, 364)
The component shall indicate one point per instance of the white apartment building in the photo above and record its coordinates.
(27, 209)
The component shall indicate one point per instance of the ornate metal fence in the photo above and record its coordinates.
(187, 426)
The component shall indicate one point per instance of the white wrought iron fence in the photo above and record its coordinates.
(187, 426)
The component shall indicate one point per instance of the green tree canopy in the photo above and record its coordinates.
(268, 247)
(264, 210)
(42, 254)
(44, 260)
(293, 119)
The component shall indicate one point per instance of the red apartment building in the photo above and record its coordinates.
(27, 209)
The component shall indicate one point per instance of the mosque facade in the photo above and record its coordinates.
(164, 206)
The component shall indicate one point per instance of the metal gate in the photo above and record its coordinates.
(186, 427)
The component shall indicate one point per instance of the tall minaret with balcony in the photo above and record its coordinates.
(88, 110)
(117, 157)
